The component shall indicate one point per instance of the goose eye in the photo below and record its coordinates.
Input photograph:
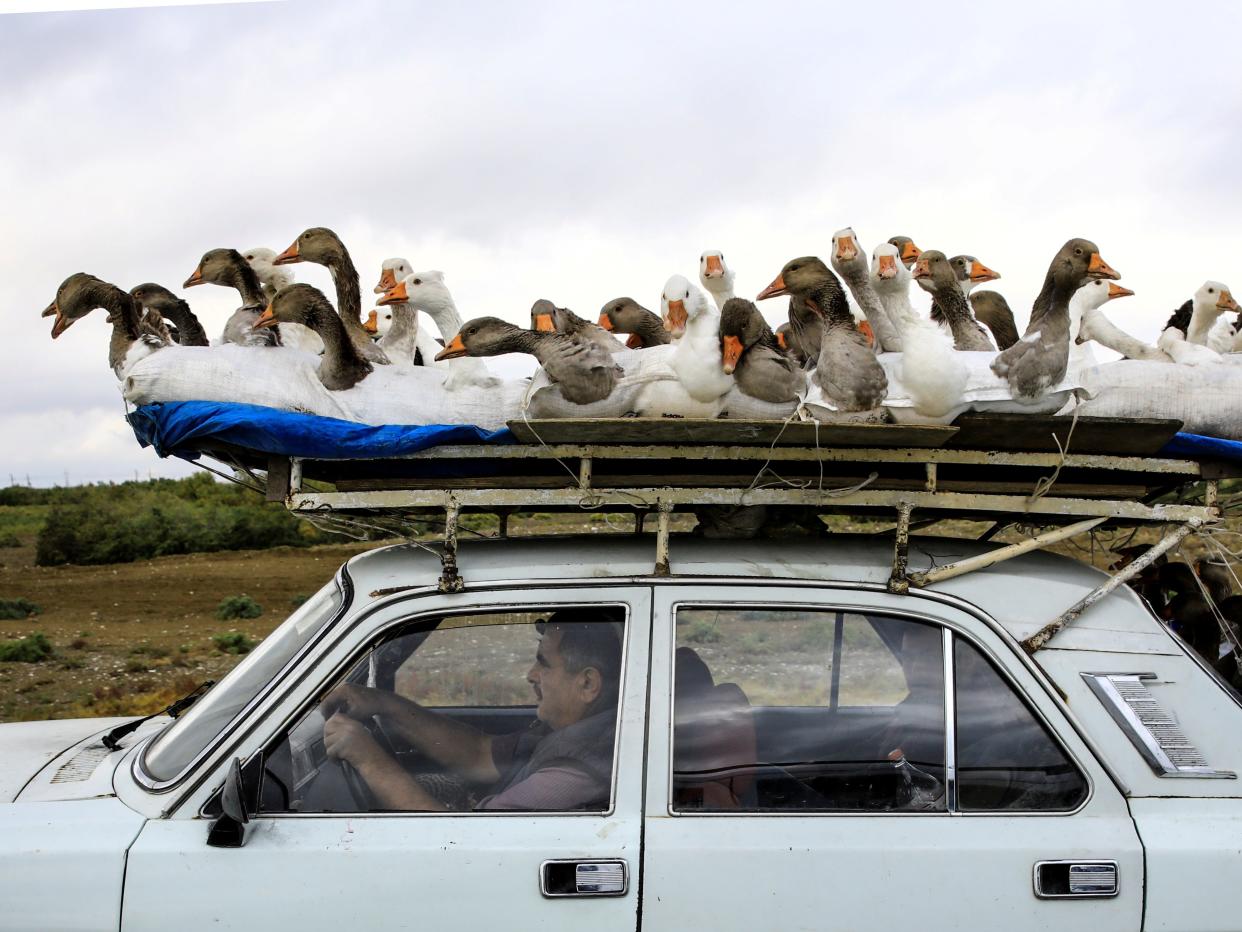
(1211, 291)
(1077, 251)
(418, 281)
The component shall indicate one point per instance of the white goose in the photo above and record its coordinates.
(397, 324)
(427, 292)
(716, 276)
(1188, 347)
(850, 262)
(272, 278)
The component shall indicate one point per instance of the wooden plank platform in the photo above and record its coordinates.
(1034, 434)
(709, 431)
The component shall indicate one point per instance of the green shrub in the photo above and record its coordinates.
(34, 649)
(297, 600)
(18, 608)
(10, 540)
(238, 606)
(702, 631)
(234, 643)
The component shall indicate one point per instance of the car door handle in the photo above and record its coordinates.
(1062, 880)
(608, 877)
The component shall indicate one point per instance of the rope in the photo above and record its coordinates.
(1044, 485)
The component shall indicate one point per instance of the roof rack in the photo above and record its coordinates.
(1068, 474)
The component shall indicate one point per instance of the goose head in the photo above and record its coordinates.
(741, 327)
(714, 273)
(217, 267)
(317, 244)
(888, 272)
(483, 336)
(263, 261)
(77, 296)
(934, 272)
(624, 315)
(543, 316)
(152, 297)
(797, 276)
(1213, 299)
(1078, 262)
(1098, 292)
(971, 272)
(297, 304)
(905, 246)
(391, 272)
(378, 322)
(846, 253)
(424, 289)
(680, 303)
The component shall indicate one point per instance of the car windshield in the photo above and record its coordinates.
(175, 747)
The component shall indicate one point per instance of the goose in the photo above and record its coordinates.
(152, 297)
(1209, 302)
(992, 310)
(393, 271)
(846, 369)
(625, 315)
(695, 325)
(81, 293)
(1174, 338)
(936, 274)
(227, 268)
(1039, 360)
(1091, 296)
(909, 252)
(427, 292)
(342, 366)
(851, 264)
(584, 370)
(716, 276)
(751, 354)
(272, 278)
(396, 329)
(933, 374)
(1096, 326)
(970, 272)
(548, 318)
(323, 247)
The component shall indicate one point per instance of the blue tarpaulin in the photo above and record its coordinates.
(1197, 446)
(182, 428)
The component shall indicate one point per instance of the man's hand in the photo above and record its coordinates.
(348, 739)
(357, 702)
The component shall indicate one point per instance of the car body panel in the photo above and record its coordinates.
(31, 746)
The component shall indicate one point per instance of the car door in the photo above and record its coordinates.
(855, 760)
(305, 867)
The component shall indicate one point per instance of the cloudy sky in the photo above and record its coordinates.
(581, 152)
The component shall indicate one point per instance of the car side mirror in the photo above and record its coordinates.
(239, 799)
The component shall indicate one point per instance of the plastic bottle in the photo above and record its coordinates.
(917, 789)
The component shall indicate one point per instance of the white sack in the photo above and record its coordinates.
(1206, 399)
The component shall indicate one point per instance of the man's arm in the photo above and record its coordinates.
(349, 740)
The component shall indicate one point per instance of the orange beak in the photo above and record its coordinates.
(922, 268)
(730, 353)
(634, 342)
(398, 295)
(774, 290)
(543, 323)
(888, 267)
(62, 323)
(981, 273)
(865, 329)
(910, 253)
(454, 349)
(196, 278)
(1226, 302)
(715, 268)
(677, 318)
(1098, 268)
(780, 338)
(387, 282)
(606, 322)
(265, 319)
(847, 249)
(1116, 291)
(289, 255)
(371, 325)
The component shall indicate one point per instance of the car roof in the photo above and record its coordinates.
(1023, 594)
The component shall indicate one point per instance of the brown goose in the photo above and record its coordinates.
(992, 310)
(323, 247)
(79, 294)
(851, 263)
(970, 273)
(750, 351)
(1038, 361)
(935, 273)
(625, 315)
(227, 268)
(546, 317)
(157, 298)
(846, 369)
(341, 366)
(909, 252)
(584, 370)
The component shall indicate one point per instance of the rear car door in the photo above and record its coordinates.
(315, 857)
(827, 758)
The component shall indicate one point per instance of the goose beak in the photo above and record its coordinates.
(50, 311)
(922, 268)
(676, 319)
(396, 295)
(196, 278)
(888, 267)
(981, 273)
(371, 325)
(266, 320)
(730, 353)
(634, 342)
(847, 249)
(715, 268)
(61, 324)
(606, 322)
(1098, 268)
(774, 290)
(1116, 291)
(289, 255)
(910, 253)
(1226, 302)
(387, 281)
(454, 349)
(543, 323)
(865, 329)
(780, 338)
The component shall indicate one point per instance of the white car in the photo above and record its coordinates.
(791, 746)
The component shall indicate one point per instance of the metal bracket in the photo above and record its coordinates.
(662, 567)
(450, 578)
(897, 582)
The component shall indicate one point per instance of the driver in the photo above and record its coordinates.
(562, 761)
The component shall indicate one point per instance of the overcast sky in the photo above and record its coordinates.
(581, 152)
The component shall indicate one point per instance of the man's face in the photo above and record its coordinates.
(563, 696)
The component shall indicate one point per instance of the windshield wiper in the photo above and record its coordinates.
(112, 739)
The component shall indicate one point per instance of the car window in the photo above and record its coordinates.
(1006, 757)
(805, 709)
(511, 711)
